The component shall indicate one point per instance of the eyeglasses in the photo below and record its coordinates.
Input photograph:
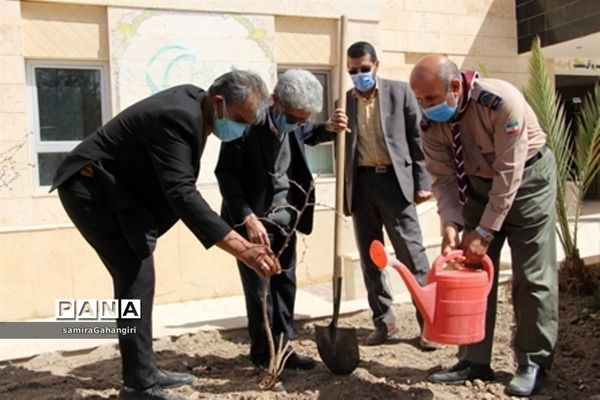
(363, 69)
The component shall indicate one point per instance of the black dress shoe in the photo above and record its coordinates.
(427, 345)
(296, 361)
(461, 372)
(166, 379)
(528, 380)
(151, 393)
(261, 365)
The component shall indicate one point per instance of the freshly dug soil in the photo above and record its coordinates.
(395, 370)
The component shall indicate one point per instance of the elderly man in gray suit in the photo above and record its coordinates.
(385, 178)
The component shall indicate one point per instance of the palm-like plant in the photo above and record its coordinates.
(577, 164)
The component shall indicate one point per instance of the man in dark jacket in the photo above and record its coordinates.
(129, 182)
(385, 178)
(268, 195)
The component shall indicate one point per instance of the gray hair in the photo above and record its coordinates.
(448, 72)
(239, 86)
(298, 88)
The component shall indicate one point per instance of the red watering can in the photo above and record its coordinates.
(454, 301)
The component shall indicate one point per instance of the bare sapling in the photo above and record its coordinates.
(279, 356)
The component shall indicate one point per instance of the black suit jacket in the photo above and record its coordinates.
(245, 169)
(400, 116)
(146, 162)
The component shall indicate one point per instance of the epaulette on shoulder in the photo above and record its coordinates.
(424, 124)
(489, 99)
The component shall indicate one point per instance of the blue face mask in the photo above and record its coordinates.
(225, 129)
(363, 81)
(440, 112)
(282, 124)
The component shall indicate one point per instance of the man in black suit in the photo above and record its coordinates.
(129, 182)
(265, 181)
(385, 177)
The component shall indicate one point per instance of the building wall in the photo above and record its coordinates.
(43, 256)
(555, 21)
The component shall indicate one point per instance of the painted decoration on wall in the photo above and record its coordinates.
(152, 50)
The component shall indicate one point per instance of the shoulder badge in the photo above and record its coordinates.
(512, 128)
(489, 99)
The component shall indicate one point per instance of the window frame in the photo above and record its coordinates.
(58, 146)
(327, 93)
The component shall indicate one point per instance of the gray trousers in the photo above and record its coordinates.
(529, 228)
(378, 202)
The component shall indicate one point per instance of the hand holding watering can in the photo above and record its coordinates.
(474, 243)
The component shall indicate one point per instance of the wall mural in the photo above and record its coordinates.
(152, 50)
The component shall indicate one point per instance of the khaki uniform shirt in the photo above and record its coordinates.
(499, 133)
(371, 149)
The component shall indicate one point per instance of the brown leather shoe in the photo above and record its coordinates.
(381, 334)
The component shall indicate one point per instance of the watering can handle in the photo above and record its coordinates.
(442, 260)
(489, 268)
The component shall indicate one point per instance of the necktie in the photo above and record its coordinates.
(459, 162)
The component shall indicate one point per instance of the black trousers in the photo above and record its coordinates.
(133, 277)
(280, 302)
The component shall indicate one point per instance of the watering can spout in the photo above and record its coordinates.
(423, 297)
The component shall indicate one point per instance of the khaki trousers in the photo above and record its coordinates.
(529, 228)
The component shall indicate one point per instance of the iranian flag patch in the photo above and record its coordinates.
(512, 128)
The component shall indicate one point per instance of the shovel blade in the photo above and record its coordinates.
(338, 348)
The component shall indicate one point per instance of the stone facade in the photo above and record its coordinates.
(42, 255)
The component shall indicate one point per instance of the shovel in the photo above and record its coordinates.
(338, 347)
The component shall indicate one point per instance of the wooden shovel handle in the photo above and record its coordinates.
(340, 153)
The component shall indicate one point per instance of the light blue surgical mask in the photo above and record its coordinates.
(363, 81)
(440, 112)
(282, 124)
(225, 129)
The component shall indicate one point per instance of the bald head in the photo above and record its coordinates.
(435, 80)
(434, 67)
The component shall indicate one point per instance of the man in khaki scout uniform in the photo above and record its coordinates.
(483, 146)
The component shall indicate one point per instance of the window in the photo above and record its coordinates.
(320, 157)
(68, 103)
